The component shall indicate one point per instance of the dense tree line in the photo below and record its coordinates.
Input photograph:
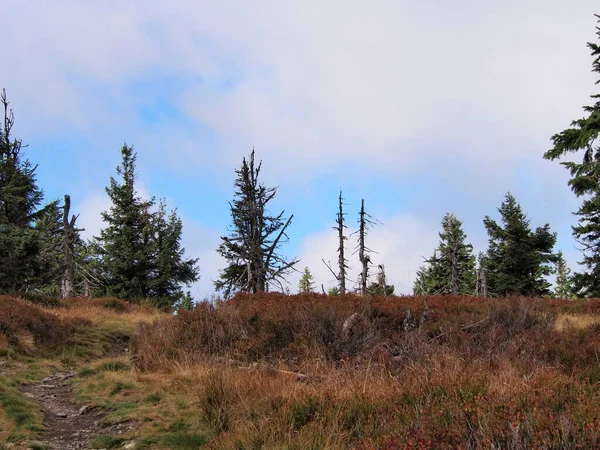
(138, 254)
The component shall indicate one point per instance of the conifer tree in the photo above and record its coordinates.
(451, 269)
(49, 230)
(380, 287)
(20, 197)
(125, 240)
(564, 280)
(169, 267)
(585, 183)
(255, 236)
(306, 283)
(518, 258)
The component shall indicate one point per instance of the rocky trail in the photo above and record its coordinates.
(68, 426)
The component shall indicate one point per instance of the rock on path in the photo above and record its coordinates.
(68, 426)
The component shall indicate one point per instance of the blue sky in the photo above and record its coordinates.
(419, 109)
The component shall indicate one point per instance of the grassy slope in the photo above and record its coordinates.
(520, 374)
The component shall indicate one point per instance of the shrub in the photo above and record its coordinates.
(26, 327)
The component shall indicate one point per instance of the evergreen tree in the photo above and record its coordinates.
(564, 281)
(518, 258)
(451, 269)
(49, 265)
(333, 291)
(255, 236)
(126, 239)
(306, 284)
(583, 135)
(19, 200)
(377, 287)
(186, 303)
(169, 268)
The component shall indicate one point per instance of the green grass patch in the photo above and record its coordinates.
(107, 441)
(182, 440)
(113, 366)
(120, 387)
(153, 398)
(22, 412)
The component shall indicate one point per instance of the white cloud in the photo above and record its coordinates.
(89, 209)
(201, 242)
(318, 82)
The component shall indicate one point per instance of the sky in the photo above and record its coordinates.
(419, 108)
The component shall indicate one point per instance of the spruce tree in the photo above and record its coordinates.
(306, 283)
(380, 287)
(518, 258)
(451, 269)
(585, 183)
(169, 267)
(564, 280)
(49, 229)
(20, 197)
(255, 236)
(127, 236)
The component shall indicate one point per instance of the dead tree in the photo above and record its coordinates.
(342, 261)
(481, 289)
(364, 222)
(382, 280)
(69, 240)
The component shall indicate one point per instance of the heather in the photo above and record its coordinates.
(275, 371)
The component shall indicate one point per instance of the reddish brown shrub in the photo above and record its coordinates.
(396, 331)
(20, 322)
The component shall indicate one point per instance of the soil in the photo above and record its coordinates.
(69, 426)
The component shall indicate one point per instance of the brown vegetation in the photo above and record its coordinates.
(475, 373)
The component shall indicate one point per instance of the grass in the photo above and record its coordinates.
(277, 372)
(41, 335)
(19, 417)
(107, 441)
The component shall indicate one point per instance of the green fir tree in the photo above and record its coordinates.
(126, 239)
(564, 280)
(306, 283)
(20, 198)
(585, 183)
(518, 258)
(169, 267)
(451, 269)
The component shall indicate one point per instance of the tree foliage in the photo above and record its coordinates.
(141, 251)
(306, 283)
(20, 198)
(564, 280)
(451, 269)
(582, 136)
(251, 249)
(517, 260)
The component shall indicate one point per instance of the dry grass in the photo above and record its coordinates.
(278, 372)
(565, 321)
(476, 373)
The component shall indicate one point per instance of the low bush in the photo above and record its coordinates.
(391, 331)
(27, 327)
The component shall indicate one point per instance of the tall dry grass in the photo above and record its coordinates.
(273, 371)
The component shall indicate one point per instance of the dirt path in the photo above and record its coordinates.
(68, 426)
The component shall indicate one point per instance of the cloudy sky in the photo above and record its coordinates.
(420, 108)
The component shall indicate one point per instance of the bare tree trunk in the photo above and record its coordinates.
(382, 280)
(454, 279)
(481, 289)
(363, 258)
(341, 259)
(68, 247)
